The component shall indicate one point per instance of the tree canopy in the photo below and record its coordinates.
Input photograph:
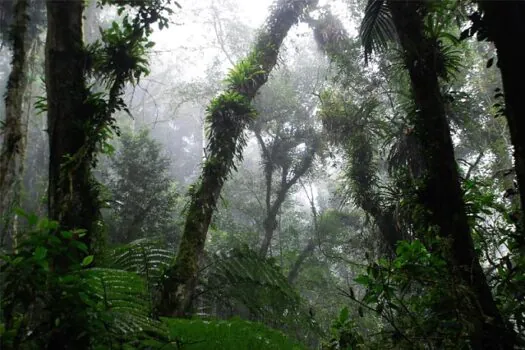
(279, 174)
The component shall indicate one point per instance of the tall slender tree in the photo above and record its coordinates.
(14, 128)
(228, 118)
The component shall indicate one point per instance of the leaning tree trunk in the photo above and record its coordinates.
(504, 22)
(15, 125)
(72, 199)
(441, 193)
(228, 116)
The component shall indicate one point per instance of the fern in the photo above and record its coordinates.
(143, 256)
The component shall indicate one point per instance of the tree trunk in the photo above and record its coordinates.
(296, 267)
(441, 193)
(72, 198)
(15, 127)
(504, 21)
(228, 123)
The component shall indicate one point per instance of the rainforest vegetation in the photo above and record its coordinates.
(271, 174)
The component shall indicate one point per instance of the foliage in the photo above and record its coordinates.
(496, 239)
(410, 293)
(51, 295)
(343, 332)
(377, 31)
(231, 334)
(117, 58)
(242, 276)
(377, 27)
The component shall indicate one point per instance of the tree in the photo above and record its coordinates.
(501, 23)
(115, 60)
(143, 198)
(14, 127)
(350, 116)
(440, 191)
(72, 197)
(288, 144)
(228, 117)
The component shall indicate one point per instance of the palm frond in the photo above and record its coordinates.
(377, 28)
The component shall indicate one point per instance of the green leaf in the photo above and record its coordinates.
(377, 27)
(87, 260)
(40, 253)
(66, 234)
(80, 232)
(44, 264)
(344, 314)
(79, 245)
(362, 279)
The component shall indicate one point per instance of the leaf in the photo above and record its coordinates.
(490, 62)
(40, 253)
(377, 27)
(363, 279)
(344, 314)
(66, 234)
(87, 260)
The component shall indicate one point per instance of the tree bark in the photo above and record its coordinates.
(504, 22)
(15, 127)
(72, 198)
(181, 278)
(441, 193)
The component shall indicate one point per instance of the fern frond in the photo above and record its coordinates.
(145, 257)
(124, 304)
(377, 28)
(240, 277)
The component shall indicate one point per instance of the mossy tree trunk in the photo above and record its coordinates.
(228, 117)
(441, 192)
(14, 129)
(353, 132)
(504, 23)
(72, 199)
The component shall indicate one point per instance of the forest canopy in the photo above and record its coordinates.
(274, 174)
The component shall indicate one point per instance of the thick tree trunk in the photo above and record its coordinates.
(504, 21)
(181, 279)
(72, 199)
(441, 193)
(15, 127)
